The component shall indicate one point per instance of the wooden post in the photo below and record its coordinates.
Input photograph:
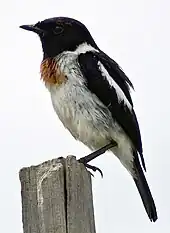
(57, 197)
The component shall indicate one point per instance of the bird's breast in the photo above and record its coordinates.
(79, 110)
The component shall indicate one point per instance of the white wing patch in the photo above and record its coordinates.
(120, 94)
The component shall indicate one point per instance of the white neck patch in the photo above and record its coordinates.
(84, 48)
(81, 49)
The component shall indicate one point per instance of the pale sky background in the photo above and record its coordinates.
(137, 35)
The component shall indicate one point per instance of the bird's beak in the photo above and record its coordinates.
(32, 28)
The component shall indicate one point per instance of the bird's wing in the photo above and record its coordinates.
(108, 82)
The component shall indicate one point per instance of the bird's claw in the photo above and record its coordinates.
(93, 168)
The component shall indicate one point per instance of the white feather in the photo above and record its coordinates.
(120, 94)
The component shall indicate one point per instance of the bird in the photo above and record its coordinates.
(91, 94)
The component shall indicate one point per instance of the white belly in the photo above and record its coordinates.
(82, 114)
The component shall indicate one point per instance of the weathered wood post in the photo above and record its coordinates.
(57, 197)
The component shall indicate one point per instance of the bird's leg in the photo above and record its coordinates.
(94, 155)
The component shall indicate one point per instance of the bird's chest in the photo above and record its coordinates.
(79, 110)
(70, 102)
(62, 79)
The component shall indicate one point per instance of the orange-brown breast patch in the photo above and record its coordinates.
(50, 72)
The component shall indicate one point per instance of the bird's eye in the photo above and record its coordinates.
(58, 30)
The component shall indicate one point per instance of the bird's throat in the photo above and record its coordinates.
(51, 73)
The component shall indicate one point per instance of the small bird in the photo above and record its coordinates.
(91, 95)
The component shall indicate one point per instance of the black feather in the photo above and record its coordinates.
(144, 190)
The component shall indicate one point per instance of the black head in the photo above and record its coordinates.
(60, 34)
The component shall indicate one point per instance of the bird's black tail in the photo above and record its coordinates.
(144, 190)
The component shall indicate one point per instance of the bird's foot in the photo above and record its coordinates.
(93, 168)
(94, 155)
